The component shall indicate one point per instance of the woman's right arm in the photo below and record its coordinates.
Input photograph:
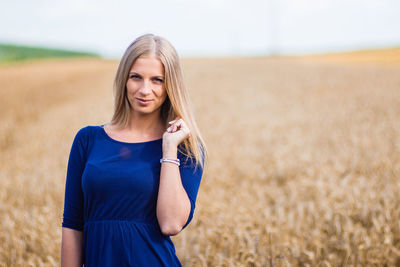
(71, 248)
(73, 216)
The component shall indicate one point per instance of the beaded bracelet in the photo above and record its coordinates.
(176, 161)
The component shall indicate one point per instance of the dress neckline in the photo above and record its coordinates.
(125, 143)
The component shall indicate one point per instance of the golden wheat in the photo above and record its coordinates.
(304, 159)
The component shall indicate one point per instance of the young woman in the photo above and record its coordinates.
(133, 182)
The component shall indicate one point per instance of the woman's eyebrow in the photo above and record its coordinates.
(156, 76)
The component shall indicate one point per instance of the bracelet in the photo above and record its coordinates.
(176, 161)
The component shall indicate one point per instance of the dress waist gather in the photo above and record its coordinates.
(113, 221)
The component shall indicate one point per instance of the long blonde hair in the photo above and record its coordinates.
(177, 102)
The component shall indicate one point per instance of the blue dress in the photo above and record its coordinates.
(111, 195)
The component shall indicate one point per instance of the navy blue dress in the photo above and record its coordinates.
(111, 195)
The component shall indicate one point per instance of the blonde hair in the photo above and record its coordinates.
(177, 102)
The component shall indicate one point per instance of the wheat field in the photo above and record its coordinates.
(304, 165)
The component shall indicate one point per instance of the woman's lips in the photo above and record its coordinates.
(143, 101)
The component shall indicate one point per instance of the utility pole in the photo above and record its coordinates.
(272, 27)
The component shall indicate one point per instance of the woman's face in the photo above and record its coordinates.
(145, 86)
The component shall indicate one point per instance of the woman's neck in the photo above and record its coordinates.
(146, 125)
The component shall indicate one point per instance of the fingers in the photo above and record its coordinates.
(176, 125)
(169, 129)
(177, 118)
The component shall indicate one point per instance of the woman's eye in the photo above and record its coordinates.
(158, 80)
(134, 76)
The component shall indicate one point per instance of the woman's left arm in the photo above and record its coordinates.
(173, 203)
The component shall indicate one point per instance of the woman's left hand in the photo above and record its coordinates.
(176, 133)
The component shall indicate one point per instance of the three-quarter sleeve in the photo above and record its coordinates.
(191, 178)
(73, 202)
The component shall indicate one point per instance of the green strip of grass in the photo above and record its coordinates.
(12, 53)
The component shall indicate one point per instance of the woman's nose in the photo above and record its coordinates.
(146, 87)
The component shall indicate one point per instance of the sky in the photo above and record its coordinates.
(208, 28)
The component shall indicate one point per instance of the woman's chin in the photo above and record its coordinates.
(144, 110)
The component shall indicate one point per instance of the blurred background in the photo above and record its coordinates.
(298, 101)
(204, 28)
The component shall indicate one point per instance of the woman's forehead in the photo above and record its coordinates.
(148, 64)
